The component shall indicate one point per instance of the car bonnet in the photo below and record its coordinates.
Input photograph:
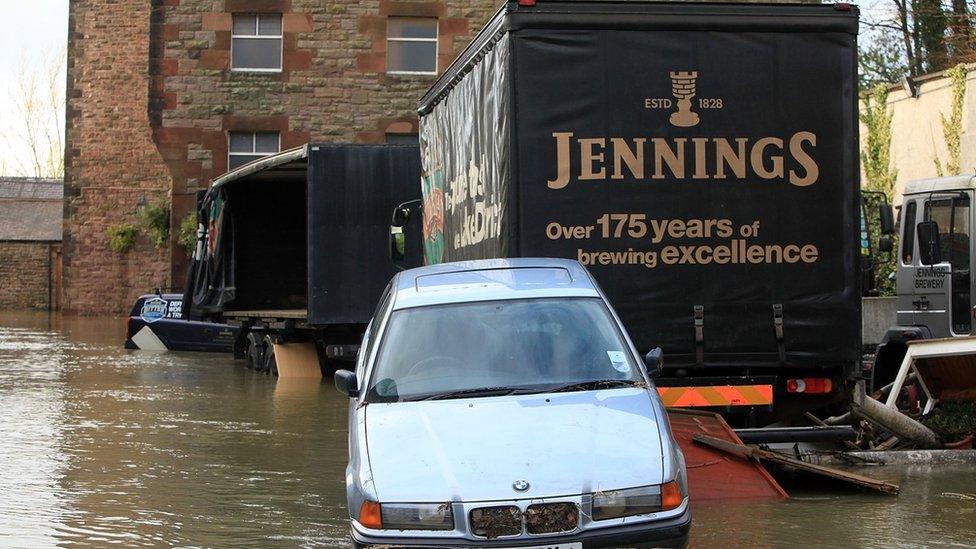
(477, 449)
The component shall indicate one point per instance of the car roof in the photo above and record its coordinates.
(492, 279)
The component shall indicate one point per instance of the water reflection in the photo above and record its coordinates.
(102, 445)
(151, 448)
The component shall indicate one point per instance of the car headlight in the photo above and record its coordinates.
(415, 516)
(637, 501)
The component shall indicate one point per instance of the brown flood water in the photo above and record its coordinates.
(105, 446)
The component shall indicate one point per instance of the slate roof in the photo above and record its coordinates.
(31, 209)
(31, 187)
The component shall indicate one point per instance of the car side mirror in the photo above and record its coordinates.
(929, 247)
(346, 383)
(886, 217)
(885, 244)
(654, 360)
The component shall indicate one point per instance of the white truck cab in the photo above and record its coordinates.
(934, 285)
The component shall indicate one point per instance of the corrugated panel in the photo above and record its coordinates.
(715, 475)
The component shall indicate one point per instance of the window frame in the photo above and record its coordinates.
(254, 143)
(257, 28)
(435, 40)
(909, 225)
(953, 205)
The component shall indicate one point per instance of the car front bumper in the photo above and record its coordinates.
(672, 532)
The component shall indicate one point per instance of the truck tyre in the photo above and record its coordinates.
(254, 351)
(270, 365)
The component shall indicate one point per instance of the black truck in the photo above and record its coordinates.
(292, 249)
(700, 159)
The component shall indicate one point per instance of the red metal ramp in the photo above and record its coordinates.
(714, 475)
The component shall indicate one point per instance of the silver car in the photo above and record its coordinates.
(500, 403)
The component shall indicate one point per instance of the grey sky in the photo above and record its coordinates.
(29, 31)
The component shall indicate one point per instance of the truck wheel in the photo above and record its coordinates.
(270, 363)
(254, 353)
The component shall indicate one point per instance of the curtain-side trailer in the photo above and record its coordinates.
(292, 248)
(700, 159)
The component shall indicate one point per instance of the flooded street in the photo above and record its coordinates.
(103, 445)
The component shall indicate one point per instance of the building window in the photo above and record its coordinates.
(411, 45)
(249, 146)
(256, 42)
(402, 139)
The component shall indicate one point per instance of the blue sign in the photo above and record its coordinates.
(153, 309)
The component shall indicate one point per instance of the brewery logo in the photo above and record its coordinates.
(790, 156)
(684, 101)
(683, 89)
(153, 309)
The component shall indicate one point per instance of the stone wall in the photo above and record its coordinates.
(24, 270)
(151, 100)
(111, 163)
(333, 85)
(916, 129)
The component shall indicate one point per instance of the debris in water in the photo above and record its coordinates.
(766, 455)
(952, 420)
(713, 475)
(957, 495)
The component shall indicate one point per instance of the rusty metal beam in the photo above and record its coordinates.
(773, 457)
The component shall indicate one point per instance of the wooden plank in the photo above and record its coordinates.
(765, 455)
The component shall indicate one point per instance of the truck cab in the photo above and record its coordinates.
(934, 284)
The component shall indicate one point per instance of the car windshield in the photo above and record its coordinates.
(500, 347)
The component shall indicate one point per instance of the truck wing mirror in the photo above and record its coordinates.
(929, 247)
(345, 382)
(887, 219)
(654, 360)
(398, 244)
(885, 244)
(402, 215)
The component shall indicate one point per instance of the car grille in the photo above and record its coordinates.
(548, 518)
(509, 520)
(493, 522)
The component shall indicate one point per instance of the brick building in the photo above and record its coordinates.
(163, 95)
(30, 242)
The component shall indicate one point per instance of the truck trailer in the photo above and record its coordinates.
(292, 249)
(700, 159)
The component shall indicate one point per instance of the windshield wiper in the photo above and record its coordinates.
(480, 391)
(597, 384)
